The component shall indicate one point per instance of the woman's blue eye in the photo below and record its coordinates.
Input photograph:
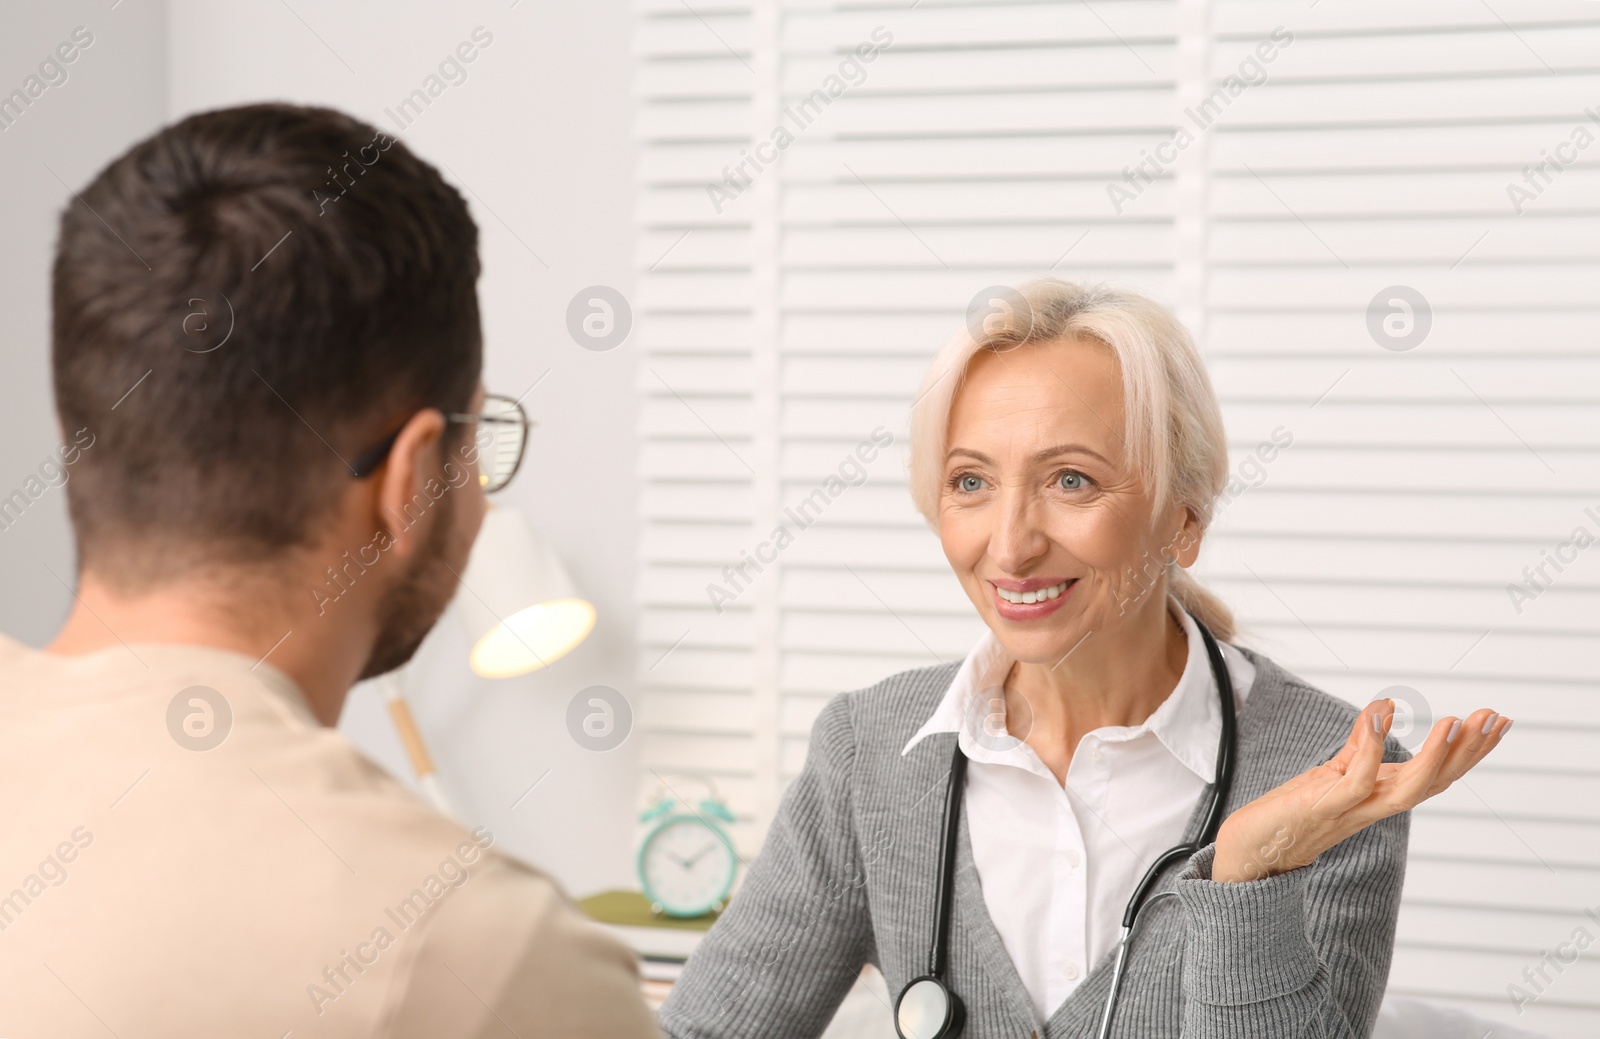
(1071, 481)
(970, 484)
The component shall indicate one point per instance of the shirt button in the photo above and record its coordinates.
(1094, 754)
(1071, 971)
(1072, 858)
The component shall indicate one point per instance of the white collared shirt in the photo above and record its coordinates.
(1057, 866)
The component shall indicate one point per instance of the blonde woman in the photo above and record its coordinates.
(1107, 819)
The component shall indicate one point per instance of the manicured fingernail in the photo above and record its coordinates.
(1455, 730)
(1377, 723)
(1509, 722)
(1489, 722)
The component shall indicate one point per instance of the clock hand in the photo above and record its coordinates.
(701, 853)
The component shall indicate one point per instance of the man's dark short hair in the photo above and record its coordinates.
(243, 304)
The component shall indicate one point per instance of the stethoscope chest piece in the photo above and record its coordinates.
(927, 1009)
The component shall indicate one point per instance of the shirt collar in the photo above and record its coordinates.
(176, 664)
(1188, 723)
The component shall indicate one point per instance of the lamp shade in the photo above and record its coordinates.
(516, 601)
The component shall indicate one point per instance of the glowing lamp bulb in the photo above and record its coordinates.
(516, 602)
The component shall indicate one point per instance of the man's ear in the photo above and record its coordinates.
(404, 478)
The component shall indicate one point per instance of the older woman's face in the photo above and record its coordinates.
(1038, 503)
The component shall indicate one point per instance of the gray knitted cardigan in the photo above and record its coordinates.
(847, 876)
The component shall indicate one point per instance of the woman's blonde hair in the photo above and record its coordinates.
(1173, 426)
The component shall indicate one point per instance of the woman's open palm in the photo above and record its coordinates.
(1290, 825)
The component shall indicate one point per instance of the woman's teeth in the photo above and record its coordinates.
(1025, 598)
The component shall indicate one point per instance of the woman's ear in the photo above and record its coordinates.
(1185, 544)
(407, 477)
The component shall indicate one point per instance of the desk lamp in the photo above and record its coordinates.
(517, 607)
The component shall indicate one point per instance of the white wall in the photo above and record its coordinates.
(114, 94)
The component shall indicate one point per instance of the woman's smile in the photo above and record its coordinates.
(1031, 599)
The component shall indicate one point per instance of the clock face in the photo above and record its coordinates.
(687, 867)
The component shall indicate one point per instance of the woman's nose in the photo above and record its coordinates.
(1017, 538)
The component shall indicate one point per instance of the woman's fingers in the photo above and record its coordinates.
(1479, 733)
(1359, 760)
(1412, 782)
(1355, 788)
(1453, 747)
(1361, 732)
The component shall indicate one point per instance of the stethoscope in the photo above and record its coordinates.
(927, 1009)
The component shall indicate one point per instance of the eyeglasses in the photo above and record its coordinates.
(500, 439)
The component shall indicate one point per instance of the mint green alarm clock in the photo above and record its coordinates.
(686, 858)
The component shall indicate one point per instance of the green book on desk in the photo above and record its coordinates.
(654, 936)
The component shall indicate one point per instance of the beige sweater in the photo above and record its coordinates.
(277, 884)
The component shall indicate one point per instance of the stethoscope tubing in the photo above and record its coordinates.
(1217, 798)
(947, 865)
